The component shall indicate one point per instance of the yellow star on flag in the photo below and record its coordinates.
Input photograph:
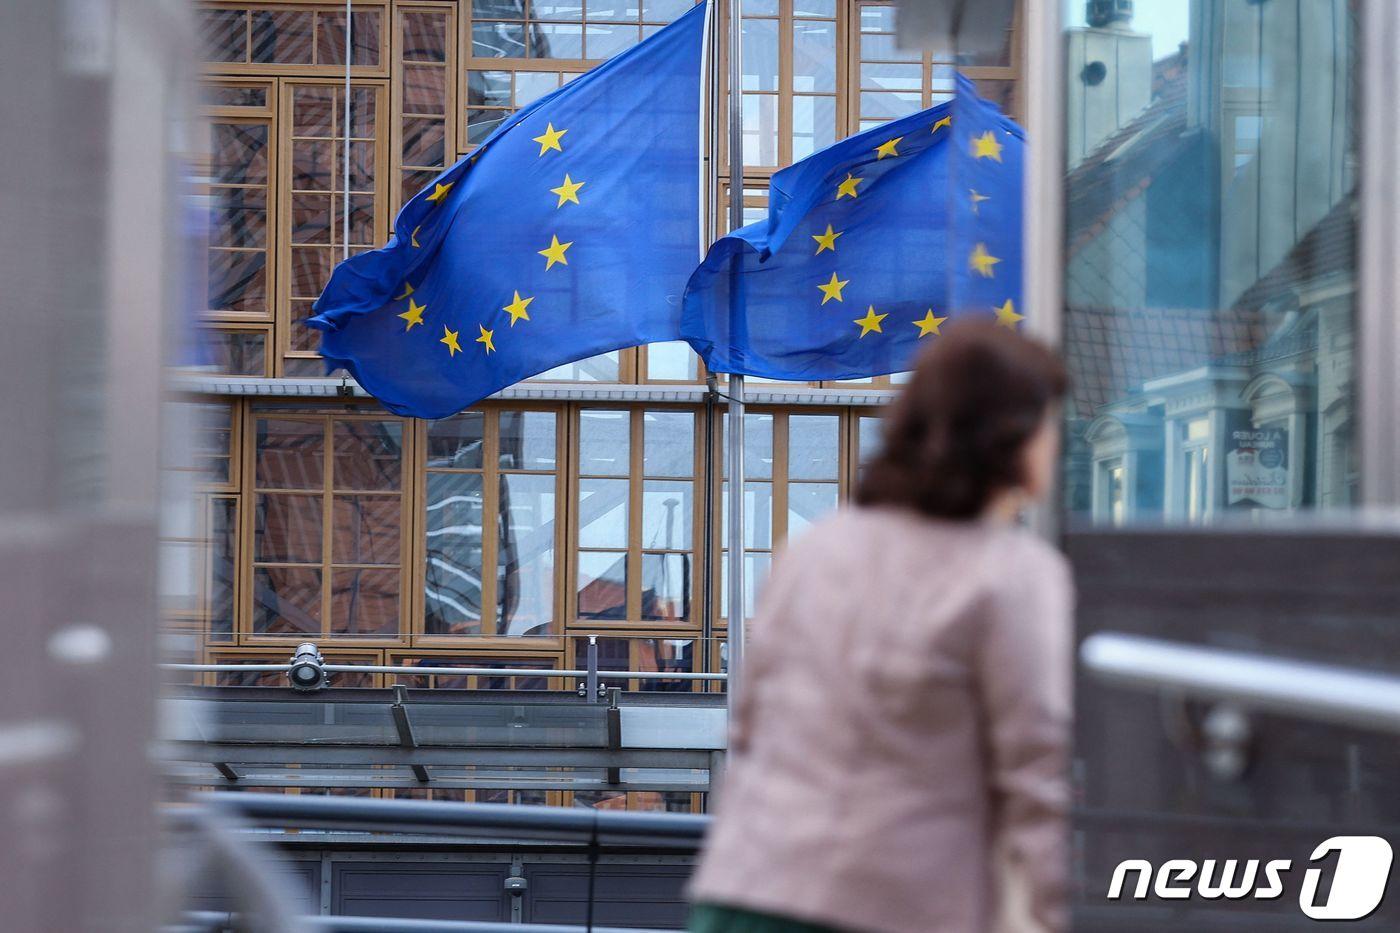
(440, 192)
(549, 139)
(407, 290)
(986, 147)
(413, 237)
(825, 241)
(449, 337)
(946, 121)
(414, 314)
(568, 191)
(554, 252)
(516, 309)
(485, 338)
(1007, 316)
(887, 148)
(929, 324)
(977, 200)
(847, 188)
(870, 322)
(833, 288)
(982, 261)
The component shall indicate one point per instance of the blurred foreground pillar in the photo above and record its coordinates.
(87, 274)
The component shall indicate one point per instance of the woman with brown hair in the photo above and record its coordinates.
(903, 718)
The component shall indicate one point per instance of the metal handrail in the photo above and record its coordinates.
(1303, 689)
(681, 832)
(460, 671)
(204, 921)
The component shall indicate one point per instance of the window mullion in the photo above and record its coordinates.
(490, 519)
(635, 481)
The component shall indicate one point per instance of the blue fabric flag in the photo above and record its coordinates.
(569, 232)
(869, 247)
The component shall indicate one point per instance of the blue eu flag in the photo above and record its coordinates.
(570, 232)
(869, 247)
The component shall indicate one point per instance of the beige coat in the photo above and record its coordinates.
(904, 713)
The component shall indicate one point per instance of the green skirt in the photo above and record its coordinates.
(712, 918)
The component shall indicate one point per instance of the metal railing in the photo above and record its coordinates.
(591, 675)
(1302, 689)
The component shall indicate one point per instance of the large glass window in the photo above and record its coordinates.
(313, 156)
(636, 515)
(491, 501)
(790, 88)
(793, 476)
(326, 522)
(423, 97)
(238, 37)
(1210, 266)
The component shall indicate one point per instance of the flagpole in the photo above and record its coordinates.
(735, 451)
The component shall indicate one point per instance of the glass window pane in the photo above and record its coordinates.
(760, 129)
(424, 89)
(453, 568)
(667, 509)
(756, 567)
(869, 429)
(364, 602)
(758, 445)
(424, 36)
(890, 76)
(883, 48)
(813, 56)
(527, 440)
(825, 8)
(223, 567)
(567, 10)
(668, 443)
(602, 520)
(1210, 275)
(605, 41)
(530, 86)
(813, 446)
(604, 442)
(672, 360)
(286, 601)
(368, 454)
(282, 37)
(601, 368)
(556, 40)
(488, 88)
(237, 281)
(503, 9)
(813, 124)
(457, 442)
(664, 11)
(602, 585)
(223, 35)
(525, 577)
(288, 529)
(666, 587)
(889, 105)
(237, 352)
(365, 529)
(808, 502)
(498, 40)
(758, 514)
(760, 54)
(290, 454)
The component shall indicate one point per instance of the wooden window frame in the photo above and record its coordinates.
(759, 174)
(491, 473)
(310, 70)
(262, 116)
(781, 482)
(287, 87)
(636, 479)
(451, 83)
(327, 565)
(334, 654)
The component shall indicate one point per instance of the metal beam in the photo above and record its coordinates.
(405, 730)
(205, 921)
(365, 755)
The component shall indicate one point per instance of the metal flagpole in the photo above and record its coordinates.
(736, 382)
(345, 161)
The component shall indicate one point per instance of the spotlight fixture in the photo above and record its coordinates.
(306, 671)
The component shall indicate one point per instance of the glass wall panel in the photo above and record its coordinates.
(1210, 265)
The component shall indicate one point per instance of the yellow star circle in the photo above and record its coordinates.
(449, 337)
(929, 324)
(485, 338)
(833, 288)
(554, 252)
(516, 309)
(871, 321)
(549, 139)
(414, 314)
(826, 241)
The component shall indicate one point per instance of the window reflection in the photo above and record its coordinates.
(1210, 282)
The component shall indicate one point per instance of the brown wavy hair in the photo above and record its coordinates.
(953, 438)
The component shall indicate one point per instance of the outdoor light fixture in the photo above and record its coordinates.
(306, 671)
